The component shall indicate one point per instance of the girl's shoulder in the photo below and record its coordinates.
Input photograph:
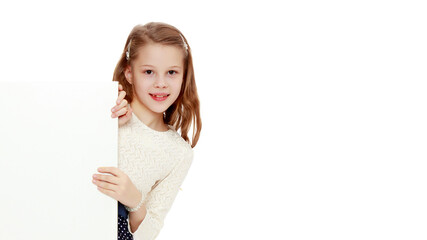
(181, 148)
(180, 141)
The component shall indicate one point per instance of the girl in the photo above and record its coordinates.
(156, 72)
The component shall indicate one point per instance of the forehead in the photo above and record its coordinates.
(160, 55)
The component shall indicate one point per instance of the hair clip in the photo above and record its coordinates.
(128, 51)
(185, 44)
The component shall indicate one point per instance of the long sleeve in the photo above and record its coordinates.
(160, 199)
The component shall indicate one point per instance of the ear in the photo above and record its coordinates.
(128, 74)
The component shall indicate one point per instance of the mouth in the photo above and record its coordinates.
(159, 96)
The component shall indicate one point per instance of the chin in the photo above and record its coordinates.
(158, 110)
(155, 108)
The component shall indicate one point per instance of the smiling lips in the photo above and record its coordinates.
(159, 96)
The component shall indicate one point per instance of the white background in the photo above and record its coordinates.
(51, 143)
(313, 112)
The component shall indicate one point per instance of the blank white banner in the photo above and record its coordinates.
(53, 137)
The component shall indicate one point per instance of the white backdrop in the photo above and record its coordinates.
(313, 112)
(51, 143)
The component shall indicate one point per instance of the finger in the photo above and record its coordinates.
(123, 119)
(120, 87)
(122, 94)
(121, 112)
(107, 192)
(123, 104)
(112, 170)
(105, 185)
(128, 113)
(106, 178)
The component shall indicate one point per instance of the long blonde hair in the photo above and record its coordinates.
(185, 111)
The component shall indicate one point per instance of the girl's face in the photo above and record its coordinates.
(156, 76)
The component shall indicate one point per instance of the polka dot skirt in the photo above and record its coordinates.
(122, 228)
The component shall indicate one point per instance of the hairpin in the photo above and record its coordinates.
(185, 44)
(128, 51)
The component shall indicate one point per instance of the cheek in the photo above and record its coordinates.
(140, 91)
(140, 86)
(178, 86)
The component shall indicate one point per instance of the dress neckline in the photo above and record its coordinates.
(138, 121)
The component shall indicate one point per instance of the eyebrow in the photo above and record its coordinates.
(147, 65)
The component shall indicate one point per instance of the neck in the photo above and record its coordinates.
(151, 119)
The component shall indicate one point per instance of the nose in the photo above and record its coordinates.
(160, 83)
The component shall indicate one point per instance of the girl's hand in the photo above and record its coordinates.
(118, 186)
(121, 109)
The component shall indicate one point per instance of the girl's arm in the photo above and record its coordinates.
(135, 218)
(159, 201)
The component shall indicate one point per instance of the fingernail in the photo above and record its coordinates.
(113, 109)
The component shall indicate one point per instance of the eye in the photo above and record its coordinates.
(172, 72)
(149, 72)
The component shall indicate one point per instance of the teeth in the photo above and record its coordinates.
(159, 96)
